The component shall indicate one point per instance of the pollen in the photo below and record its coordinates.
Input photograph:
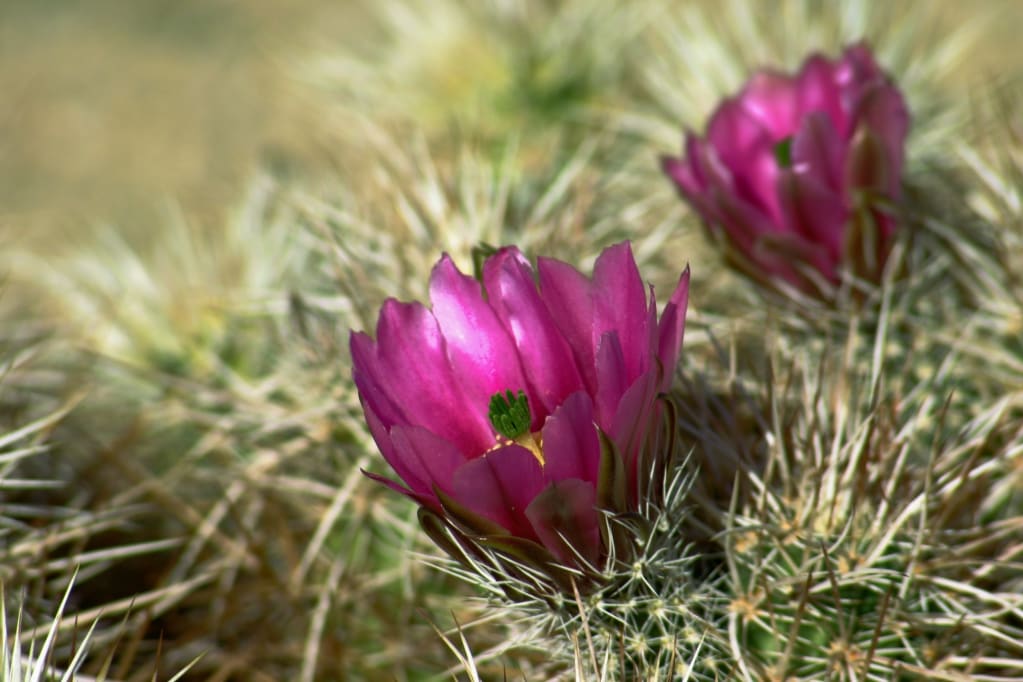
(530, 441)
(534, 443)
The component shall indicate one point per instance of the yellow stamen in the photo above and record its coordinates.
(530, 441)
(533, 443)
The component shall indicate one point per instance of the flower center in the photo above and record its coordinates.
(510, 417)
(783, 152)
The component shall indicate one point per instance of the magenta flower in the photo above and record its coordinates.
(798, 174)
(515, 411)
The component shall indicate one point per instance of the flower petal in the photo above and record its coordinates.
(483, 357)
(412, 370)
(570, 444)
(372, 391)
(686, 172)
(565, 518)
(611, 379)
(671, 329)
(743, 223)
(746, 148)
(856, 70)
(500, 485)
(814, 211)
(382, 435)
(818, 151)
(620, 306)
(817, 92)
(545, 355)
(569, 299)
(632, 419)
(423, 459)
(772, 99)
(706, 171)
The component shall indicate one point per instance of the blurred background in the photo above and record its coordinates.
(112, 108)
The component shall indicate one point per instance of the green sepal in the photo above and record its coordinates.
(867, 165)
(659, 454)
(537, 557)
(469, 520)
(868, 170)
(611, 476)
(612, 498)
(438, 530)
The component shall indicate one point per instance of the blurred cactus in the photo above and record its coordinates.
(488, 68)
(187, 303)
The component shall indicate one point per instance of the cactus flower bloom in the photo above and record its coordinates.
(797, 174)
(516, 410)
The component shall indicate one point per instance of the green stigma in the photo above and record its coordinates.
(783, 152)
(509, 414)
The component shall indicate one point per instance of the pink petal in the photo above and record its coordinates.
(713, 168)
(650, 347)
(571, 446)
(746, 148)
(612, 379)
(565, 518)
(413, 370)
(817, 92)
(567, 293)
(772, 248)
(372, 392)
(544, 353)
(857, 66)
(620, 306)
(632, 419)
(483, 357)
(398, 488)
(814, 211)
(671, 329)
(423, 459)
(382, 436)
(733, 132)
(500, 485)
(818, 151)
(772, 99)
(686, 173)
(707, 171)
(429, 501)
(795, 258)
(743, 223)
(705, 164)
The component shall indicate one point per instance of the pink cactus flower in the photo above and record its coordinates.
(506, 409)
(798, 174)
